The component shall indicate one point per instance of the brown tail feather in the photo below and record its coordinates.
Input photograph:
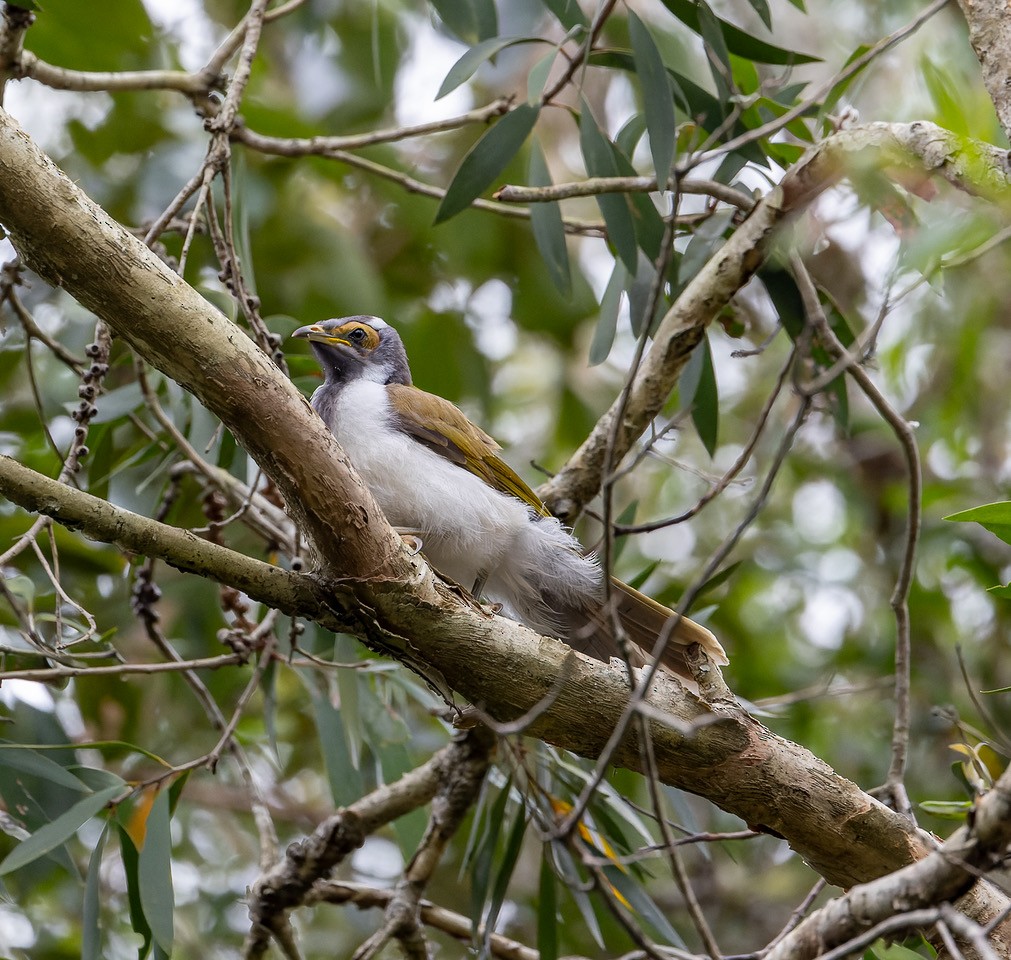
(643, 619)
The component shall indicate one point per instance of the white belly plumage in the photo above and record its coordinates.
(470, 531)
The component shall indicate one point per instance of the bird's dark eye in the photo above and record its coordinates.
(357, 335)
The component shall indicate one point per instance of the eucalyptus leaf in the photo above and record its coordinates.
(23, 759)
(995, 517)
(568, 12)
(699, 392)
(607, 316)
(154, 873)
(599, 158)
(487, 159)
(547, 911)
(58, 831)
(658, 100)
(546, 219)
(739, 42)
(467, 65)
(91, 934)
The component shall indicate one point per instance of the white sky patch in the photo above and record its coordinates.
(839, 565)
(34, 694)
(488, 314)
(672, 544)
(420, 77)
(185, 21)
(819, 512)
(378, 859)
(828, 614)
(318, 85)
(44, 113)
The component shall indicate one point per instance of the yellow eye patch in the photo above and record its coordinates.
(356, 334)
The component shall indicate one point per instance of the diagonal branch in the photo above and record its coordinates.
(896, 149)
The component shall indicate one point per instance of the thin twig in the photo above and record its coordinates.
(899, 601)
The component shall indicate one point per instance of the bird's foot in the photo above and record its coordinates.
(412, 539)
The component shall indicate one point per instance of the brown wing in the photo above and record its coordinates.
(443, 428)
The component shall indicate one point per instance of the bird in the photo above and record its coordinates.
(439, 477)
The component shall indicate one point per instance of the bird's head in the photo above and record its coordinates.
(352, 347)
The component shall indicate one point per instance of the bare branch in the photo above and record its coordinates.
(898, 149)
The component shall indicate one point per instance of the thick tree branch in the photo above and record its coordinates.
(897, 149)
(990, 36)
(947, 872)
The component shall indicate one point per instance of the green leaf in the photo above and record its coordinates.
(470, 20)
(514, 844)
(642, 904)
(487, 159)
(21, 587)
(640, 290)
(598, 155)
(716, 50)
(16, 757)
(546, 219)
(345, 780)
(698, 388)
(91, 933)
(607, 321)
(129, 855)
(761, 7)
(480, 871)
(658, 99)
(154, 873)
(1005, 594)
(537, 78)
(995, 517)
(567, 12)
(58, 831)
(738, 41)
(466, 66)
(547, 912)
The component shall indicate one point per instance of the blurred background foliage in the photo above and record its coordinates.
(804, 614)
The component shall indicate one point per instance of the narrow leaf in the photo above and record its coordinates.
(546, 218)
(91, 934)
(640, 290)
(467, 65)
(568, 13)
(154, 873)
(598, 156)
(658, 100)
(487, 159)
(537, 78)
(547, 912)
(738, 41)
(698, 385)
(58, 831)
(345, 780)
(716, 50)
(480, 872)
(469, 20)
(514, 844)
(38, 765)
(995, 517)
(607, 321)
(630, 890)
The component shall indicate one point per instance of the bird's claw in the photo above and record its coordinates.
(412, 540)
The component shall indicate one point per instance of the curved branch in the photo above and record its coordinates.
(895, 149)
